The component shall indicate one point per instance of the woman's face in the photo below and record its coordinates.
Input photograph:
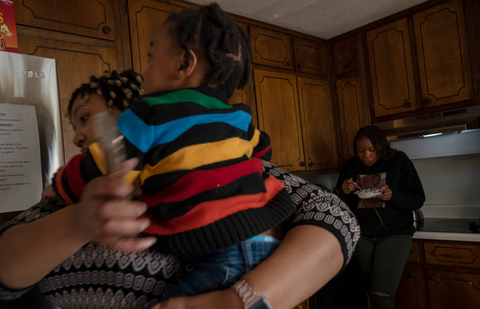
(366, 153)
(81, 119)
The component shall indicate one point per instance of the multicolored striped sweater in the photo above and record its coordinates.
(200, 170)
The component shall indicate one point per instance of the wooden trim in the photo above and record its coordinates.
(425, 111)
(60, 36)
(305, 174)
(472, 23)
(123, 34)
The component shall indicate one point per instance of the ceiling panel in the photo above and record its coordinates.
(321, 18)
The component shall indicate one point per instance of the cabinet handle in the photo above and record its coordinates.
(302, 164)
(107, 29)
(310, 164)
(289, 63)
(426, 100)
(410, 276)
(452, 255)
(431, 278)
(408, 104)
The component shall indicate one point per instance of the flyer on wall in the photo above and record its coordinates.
(21, 181)
(8, 28)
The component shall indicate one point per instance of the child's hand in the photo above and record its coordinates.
(48, 195)
(105, 215)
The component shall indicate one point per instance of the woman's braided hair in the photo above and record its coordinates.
(118, 89)
(379, 142)
(218, 42)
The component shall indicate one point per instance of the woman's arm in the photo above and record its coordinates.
(30, 251)
(308, 258)
(411, 195)
(323, 237)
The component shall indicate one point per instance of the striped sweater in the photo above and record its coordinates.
(200, 171)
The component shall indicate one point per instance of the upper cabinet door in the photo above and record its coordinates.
(310, 57)
(317, 124)
(271, 48)
(391, 69)
(75, 64)
(279, 116)
(345, 56)
(146, 16)
(93, 18)
(351, 111)
(442, 50)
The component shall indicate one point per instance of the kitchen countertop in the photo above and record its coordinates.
(447, 229)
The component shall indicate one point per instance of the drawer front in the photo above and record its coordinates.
(414, 255)
(452, 255)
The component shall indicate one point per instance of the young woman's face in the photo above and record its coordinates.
(366, 153)
(82, 122)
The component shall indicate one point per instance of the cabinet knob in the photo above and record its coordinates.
(426, 100)
(410, 276)
(107, 29)
(302, 164)
(300, 66)
(289, 63)
(352, 64)
(408, 104)
(431, 278)
(310, 164)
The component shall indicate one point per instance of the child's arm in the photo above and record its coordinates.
(71, 179)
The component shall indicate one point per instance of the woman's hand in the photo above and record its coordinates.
(386, 195)
(214, 300)
(48, 195)
(106, 216)
(348, 186)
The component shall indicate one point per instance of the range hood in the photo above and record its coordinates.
(456, 120)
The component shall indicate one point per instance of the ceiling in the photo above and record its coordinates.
(321, 18)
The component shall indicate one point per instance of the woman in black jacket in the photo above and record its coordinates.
(386, 221)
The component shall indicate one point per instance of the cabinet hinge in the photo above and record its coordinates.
(126, 10)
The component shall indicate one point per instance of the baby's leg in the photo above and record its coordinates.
(222, 269)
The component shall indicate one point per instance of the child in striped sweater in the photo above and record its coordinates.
(200, 169)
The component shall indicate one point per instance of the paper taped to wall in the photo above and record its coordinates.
(20, 168)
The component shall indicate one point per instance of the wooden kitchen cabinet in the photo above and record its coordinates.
(271, 48)
(279, 116)
(391, 69)
(452, 255)
(447, 290)
(344, 56)
(410, 292)
(311, 57)
(442, 50)
(75, 64)
(92, 18)
(318, 128)
(351, 111)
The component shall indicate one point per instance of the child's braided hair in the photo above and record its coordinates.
(118, 89)
(217, 41)
(379, 142)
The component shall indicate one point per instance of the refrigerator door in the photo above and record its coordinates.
(29, 80)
